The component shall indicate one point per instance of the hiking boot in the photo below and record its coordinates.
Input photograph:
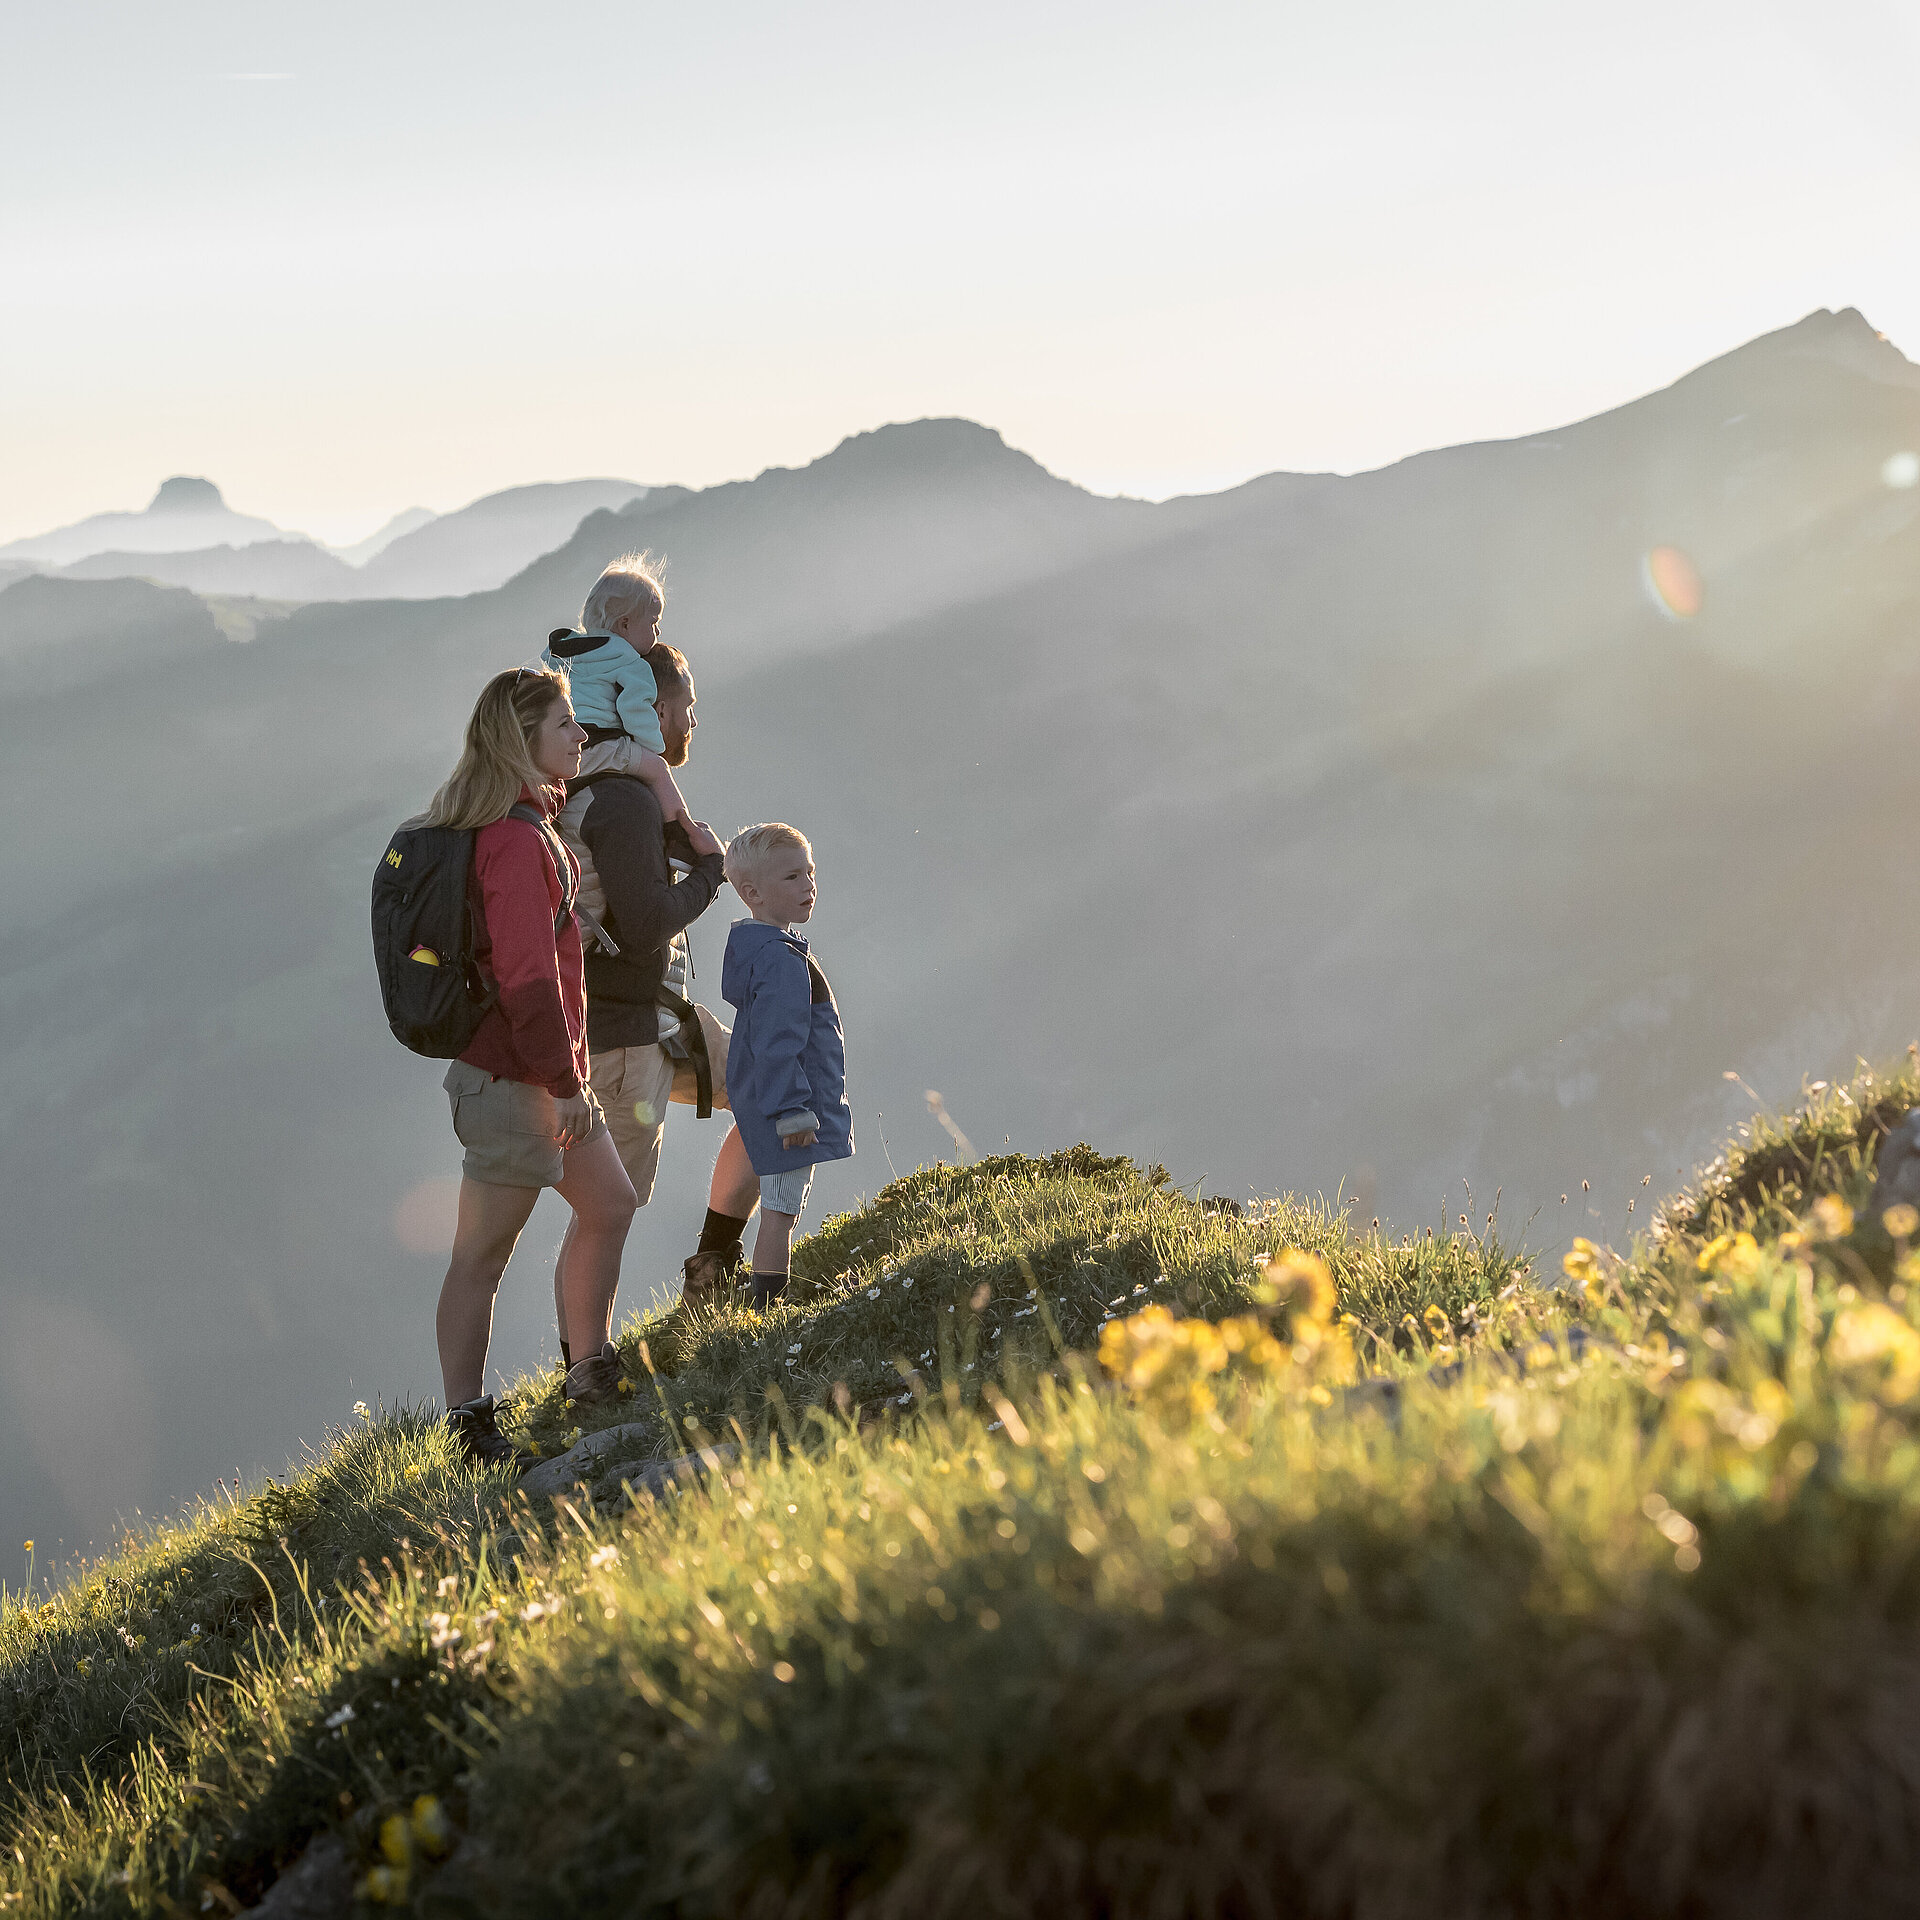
(480, 1441)
(707, 1278)
(596, 1379)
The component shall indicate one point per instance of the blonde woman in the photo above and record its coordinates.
(522, 1106)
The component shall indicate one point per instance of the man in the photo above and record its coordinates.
(643, 1055)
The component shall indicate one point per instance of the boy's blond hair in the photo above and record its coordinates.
(752, 849)
(630, 584)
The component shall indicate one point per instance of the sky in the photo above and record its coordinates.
(352, 259)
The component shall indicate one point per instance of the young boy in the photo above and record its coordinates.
(786, 1062)
(613, 687)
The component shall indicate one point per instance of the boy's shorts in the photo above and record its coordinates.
(507, 1128)
(785, 1192)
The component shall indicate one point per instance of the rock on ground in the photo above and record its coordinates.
(594, 1456)
(318, 1886)
(1897, 1182)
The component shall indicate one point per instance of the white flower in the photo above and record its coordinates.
(795, 1348)
(360, 1410)
(446, 1586)
(339, 1718)
(873, 1293)
(603, 1557)
(195, 1629)
(441, 1632)
(908, 1281)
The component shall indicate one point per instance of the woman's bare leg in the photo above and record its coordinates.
(560, 1290)
(735, 1190)
(596, 1187)
(489, 1224)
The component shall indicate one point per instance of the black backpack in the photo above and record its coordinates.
(423, 944)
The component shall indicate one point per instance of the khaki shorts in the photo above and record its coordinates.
(635, 1086)
(507, 1128)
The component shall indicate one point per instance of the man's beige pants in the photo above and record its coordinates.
(636, 1085)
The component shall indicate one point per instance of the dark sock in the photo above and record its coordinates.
(566, 1357)
(722, 1233)
(768, 1287)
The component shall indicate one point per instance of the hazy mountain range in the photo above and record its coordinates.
(1384, 831)
(189, 537)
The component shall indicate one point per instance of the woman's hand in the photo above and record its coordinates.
(573, 1119)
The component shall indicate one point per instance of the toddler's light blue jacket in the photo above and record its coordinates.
(786, 1060)
(613, 686)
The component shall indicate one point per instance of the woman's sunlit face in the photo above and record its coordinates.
(557, 741)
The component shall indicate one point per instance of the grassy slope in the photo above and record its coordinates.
(1629, 1632)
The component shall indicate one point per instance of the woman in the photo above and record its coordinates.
(522, 1107)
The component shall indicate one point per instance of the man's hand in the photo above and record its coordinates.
(573, 1119)
(799, 1139)
(702, 839)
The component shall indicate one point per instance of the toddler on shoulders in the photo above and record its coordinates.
(613, 687)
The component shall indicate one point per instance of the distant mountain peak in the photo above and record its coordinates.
(904, 447)
(184, 494)
(1845, 338)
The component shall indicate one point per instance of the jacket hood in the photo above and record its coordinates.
(746, 941)
(564, 643)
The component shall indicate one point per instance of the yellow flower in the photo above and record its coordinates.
(1873, 1338)
(396, 1841)
(1301, 1281)
(1833, 1217)
(1731, 1253)
(26, 1546)
(385, 1886)
(1437, 1323)
(1900, 1220)
(432, 1830)
(1582, 1266)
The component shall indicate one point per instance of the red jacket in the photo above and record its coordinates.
(536, 1031)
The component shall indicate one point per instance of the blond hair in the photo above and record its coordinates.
(496, 763)
(630, 584)
(752, 849)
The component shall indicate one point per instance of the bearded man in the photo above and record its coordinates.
(645, 884)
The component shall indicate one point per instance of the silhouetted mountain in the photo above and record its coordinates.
(185, 514)
(1385, 830)
(57, 634)
(270, 569)
(888, 526)
(487, 543)
(406, 521)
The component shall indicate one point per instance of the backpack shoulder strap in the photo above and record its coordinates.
(562, 861)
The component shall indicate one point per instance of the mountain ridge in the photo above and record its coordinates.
(1384, 830)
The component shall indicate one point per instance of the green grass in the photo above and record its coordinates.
(963, 1628)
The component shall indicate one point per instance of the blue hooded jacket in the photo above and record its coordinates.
(786, 1055)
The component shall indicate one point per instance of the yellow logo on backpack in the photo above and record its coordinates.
(393, 857)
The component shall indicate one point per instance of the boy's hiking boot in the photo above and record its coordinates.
(478, 1438)
(595, 1378)
(707, 1278)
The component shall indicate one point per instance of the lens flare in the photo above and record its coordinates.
(1901, 470)
(423, 1222)
(1673, 583)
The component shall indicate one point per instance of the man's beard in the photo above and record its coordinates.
(677, 744)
